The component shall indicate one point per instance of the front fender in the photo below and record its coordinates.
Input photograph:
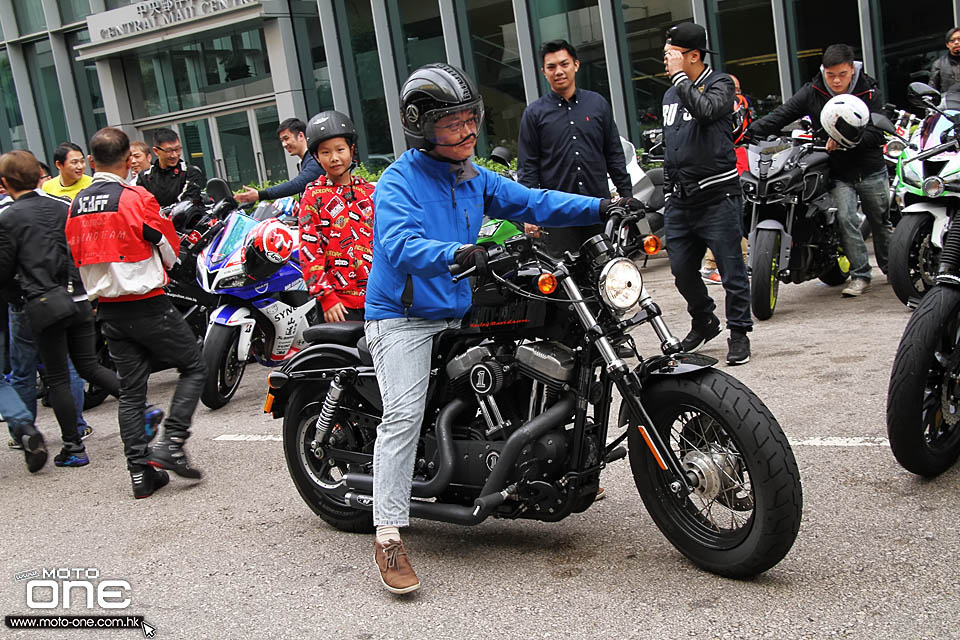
(232, 315)
(678, 364)
(786, 241)
(941, 219)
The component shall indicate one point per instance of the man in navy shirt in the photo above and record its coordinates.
(569, 142)
(292, 134)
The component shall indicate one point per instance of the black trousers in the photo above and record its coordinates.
(136, 341)
(75, 337)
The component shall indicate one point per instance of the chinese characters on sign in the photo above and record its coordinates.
(155, 14)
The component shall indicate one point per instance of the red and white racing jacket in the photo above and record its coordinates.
(119, 240)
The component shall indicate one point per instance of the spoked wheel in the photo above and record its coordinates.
(224, 368)
(744, 515)
(764, 281)
(315, 469)
(913, 260)
(923, 401)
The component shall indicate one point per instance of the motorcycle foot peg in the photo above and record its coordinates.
(485, 504)
(616, 454)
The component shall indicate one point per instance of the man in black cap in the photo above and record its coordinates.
(703, 207)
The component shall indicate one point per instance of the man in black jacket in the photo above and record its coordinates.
(946, 69)
(860, 170)
(293, 138)
(169, 178)
(703, 207)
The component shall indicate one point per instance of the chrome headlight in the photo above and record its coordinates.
(620, 284)
(894, 148)
(933, 186)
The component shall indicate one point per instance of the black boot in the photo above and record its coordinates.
(168, 454)
(147, 480)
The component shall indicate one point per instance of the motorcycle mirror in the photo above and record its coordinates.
(918, 94)
(218, 189)
(883, 123)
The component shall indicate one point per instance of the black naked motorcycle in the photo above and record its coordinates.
(518, 412)
(794, 234)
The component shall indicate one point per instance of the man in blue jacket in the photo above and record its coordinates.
(293, 138)
(429, 206)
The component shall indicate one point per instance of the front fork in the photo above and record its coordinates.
(629, 383)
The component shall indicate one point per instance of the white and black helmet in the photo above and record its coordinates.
(844, 118)
(431, 92)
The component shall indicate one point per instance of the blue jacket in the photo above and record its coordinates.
(310, 170)
(426, 209)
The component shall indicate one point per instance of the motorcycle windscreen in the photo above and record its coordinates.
(933, 128)
(232, 237)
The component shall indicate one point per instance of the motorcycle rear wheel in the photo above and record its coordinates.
(913, 260)
(837, 274)
(923, 384)
(310, 473)
(224, 368)
(764, 283)
(745, 516)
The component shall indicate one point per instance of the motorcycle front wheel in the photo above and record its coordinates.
(745, 513)
(913, 260)
(224, 368)
(923, 401)
(764, 283)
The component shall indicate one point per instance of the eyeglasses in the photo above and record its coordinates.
(176, 149)
(456, 127)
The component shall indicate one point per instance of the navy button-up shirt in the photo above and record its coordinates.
(571, 146)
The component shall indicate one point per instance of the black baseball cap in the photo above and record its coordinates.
(688, 36)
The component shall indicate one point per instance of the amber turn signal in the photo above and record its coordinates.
(547, 283)
(651, 245)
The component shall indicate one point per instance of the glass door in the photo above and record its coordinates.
(272, 157)
(198, 146)
(237, 154)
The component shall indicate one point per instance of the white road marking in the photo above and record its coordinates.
(842, 442)
(826, 441)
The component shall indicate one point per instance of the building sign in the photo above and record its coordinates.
(150, 15)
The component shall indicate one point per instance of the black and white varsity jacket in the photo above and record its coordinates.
(699, 164)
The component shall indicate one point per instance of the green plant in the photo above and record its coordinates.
(370, 176)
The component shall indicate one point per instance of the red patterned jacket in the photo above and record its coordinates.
(336, 241)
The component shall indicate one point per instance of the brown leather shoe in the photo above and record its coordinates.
(396, 574)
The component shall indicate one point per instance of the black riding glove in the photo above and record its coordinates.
(472, 255)
(630, 204)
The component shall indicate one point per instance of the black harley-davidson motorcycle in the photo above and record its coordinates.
(794, 234)
(518, 409)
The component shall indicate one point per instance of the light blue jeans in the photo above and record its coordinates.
(401, 350)
(874, 192)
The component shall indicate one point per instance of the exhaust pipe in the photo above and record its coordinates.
(363, 482)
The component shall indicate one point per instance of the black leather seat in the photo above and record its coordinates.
(345, 333)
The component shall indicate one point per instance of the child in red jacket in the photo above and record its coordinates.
(336, 221)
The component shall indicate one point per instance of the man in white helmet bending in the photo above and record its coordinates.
(856, 153)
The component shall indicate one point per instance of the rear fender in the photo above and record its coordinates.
(316, 366)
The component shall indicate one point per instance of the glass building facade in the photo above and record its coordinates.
(225, 74)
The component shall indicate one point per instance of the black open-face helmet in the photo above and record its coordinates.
(431, 92)
(329, 124)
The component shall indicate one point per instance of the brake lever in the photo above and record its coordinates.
(464, 274)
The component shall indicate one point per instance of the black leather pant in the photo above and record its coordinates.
(135, 343)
